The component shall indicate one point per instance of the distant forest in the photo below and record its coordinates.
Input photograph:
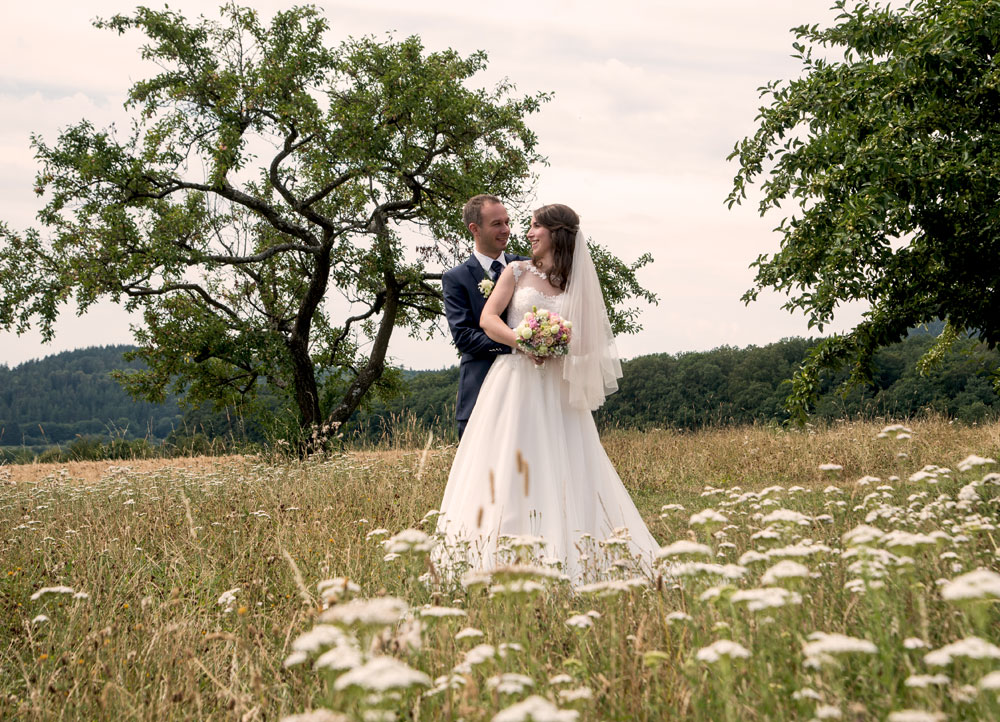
(71, 396)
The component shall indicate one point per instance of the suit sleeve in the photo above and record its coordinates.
(463, 322)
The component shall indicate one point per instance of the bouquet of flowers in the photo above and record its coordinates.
(543, 333)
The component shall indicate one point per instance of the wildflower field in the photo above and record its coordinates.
(829, 574)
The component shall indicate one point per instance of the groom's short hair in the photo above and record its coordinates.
(473, 211)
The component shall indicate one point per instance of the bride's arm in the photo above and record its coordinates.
(490, 321)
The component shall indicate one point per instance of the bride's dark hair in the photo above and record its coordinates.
(563, 223)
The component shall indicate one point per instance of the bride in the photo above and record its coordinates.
(531, 461)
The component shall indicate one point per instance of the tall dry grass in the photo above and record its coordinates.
(154, 548)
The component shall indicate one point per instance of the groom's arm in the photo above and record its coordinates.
(464, 323)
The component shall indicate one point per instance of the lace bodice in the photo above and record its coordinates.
(528, 293)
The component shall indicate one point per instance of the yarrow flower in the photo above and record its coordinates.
(972, 647)
(915, 715)
(972, 460)
(332, 590)
(707, 517)
(723, 648)
(785, 569)
(382, 673)
(441, 612)
(536, 709)
(766, 598)
(580, 621)
(684, 547)
(510, 683)
(228, 600)
(821, 646)
(409, 541)
(382, 611)
(978, 584)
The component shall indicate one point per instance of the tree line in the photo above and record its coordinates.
(730, 385)
(71, 396)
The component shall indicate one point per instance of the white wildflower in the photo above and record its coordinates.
(787, 516)
(612, 587)
(821, 643)
(979, 584)
(469, 633)
(675, 617)
(331, 590)
(409, 541)
(785, 569)
(342, 656)
(440, 612)
(684, 547)
(510, 683)
(915, 715)
(295, 658)
(972, 647)
(527, 587)
(322, 635)
(826, 711)
(480, 653)
(722, 648)
(576, 694)
(914, 643)
(972, 460)
(382, 611)
(926, 680)
(580, 621)
(535, 709)
(380, 674)
(765, 598)
(726, 571)
(707, 517)
(991, 681)
(39, 619)
(752, 556)
(228, 599)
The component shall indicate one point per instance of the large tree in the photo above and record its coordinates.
(886, 153)
(265, 168)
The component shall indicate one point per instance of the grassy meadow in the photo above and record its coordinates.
(256, 589)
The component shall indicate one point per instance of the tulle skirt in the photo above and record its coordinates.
(531, 464)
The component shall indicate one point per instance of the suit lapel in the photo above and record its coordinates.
(476, 269)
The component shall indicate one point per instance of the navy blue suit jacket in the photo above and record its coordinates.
(463, 305)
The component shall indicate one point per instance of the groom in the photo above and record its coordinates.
(489, 224)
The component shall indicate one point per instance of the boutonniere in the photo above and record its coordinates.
(486, 287)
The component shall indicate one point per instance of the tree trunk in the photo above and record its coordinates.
(304, 378)
(303, 373)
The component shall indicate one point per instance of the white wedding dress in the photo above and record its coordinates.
(529, 463)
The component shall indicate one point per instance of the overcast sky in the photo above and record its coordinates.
(650, 97)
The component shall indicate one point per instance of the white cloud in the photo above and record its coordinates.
(650, 97)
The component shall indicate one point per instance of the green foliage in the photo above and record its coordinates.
(887, 151)
(71, 395)
(264, 169)
(736, 386)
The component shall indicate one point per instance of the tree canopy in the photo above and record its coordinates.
(887, 154)
(264, 169)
